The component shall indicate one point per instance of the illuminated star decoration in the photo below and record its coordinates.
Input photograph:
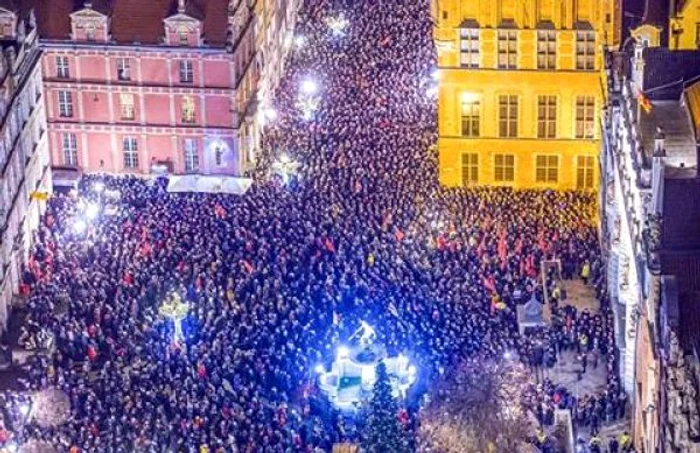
(176, 310)
(309, 100)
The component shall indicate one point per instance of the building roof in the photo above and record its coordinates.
(134, 21)
(681, 221)
(666, 71)
(679, 140)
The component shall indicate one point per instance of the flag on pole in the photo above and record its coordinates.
(645, 103)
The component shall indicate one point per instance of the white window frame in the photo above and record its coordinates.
(123, 69)
(546, 49)
(128, 110)
(507, 49)
(186, 71)
(62, 67)
(65, 104)
(469, 47)
(191, 151)
(585, 50)
(130, 147)
(550, 169)
(547, 116)
(70, 149)
(511, 102)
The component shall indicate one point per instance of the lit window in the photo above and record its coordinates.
(127, 103)
(191, 155)
(90, 33)
(70, 150)
(585, 50)
(546, 116)
(186, 71)
(469, 47)
(123, 69)
(504, 168)
(62, 67)
(131, 152)
(183, 37)
(546, 49)
(585, 171)
(470, 116)
(65, 104)
(508, 116)
(547, 169)
(585, 117)
(188, 111)
(470, 169)
(507, 49)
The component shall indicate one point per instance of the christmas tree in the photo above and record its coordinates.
(383, 433)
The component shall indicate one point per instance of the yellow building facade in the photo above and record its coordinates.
(520, 90)
(685, 25)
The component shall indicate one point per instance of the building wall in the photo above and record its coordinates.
(98, 96)
(685, 27)
(25, 181)
(523, 79)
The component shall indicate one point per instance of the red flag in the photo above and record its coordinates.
(329, 245)
(399, 235)
(490, 284)
(248, 267)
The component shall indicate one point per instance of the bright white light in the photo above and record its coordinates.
(319, 369)
(79, 226)
(412, 370)
(338, 24)
(432, 91)
(435, 75)
(299, 41)
(91, 211)
(98, 187)
(368, 374)
(508, 355)
(343, 352)
(285, 159)
(270, 114)
(11, 447)
(469, 98)
(24, 409)
(309, 87)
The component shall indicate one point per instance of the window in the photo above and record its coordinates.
(65, 104)
(183, 37)
(127, 103)
(504, 168)
(547, 169)
(546, 49)
(123, 69)
(188, 112)
(469, 47)
(585, 117)
(70, 150)
(219, 156)
(507, 49)
(470, 116)
(585, 50)
(546, 116)
(584, 172)
(62, 68)
(90, 33)
(191, 155)
(186, 71)
(131, 152)
(508, 116)
(470, 169)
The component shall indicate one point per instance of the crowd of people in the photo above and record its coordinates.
(276, 277)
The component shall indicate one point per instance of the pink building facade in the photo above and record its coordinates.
(131, 86)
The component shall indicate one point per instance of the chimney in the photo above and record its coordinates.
(659, 142)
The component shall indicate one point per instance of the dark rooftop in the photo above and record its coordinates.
(666, 71)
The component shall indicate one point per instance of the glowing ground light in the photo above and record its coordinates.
(98, 187)
(299, 41)
(11, 447)
(432, 91)
(91, 211)
(338, 24)
(175, 309)
(435, 75)
(309, 87)
(79, 226)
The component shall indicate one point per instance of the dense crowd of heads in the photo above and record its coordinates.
(276, 277)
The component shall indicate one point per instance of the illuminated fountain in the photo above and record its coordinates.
(352, 375)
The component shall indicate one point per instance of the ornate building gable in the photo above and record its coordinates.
(239, 15)
(182, 29)
(8, 24)
(88, 24)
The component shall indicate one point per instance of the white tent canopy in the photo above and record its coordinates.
(209, 184)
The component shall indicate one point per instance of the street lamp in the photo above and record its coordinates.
(91, 211)
(175, 309)
(309, 87)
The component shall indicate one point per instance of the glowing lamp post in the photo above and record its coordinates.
(175, 309)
